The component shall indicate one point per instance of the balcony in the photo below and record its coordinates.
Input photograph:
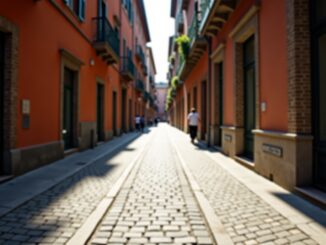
(185, 4)
(139, 85)
(198, 46)
(214, 15)
(107, 43)
(145, 69)
(147, 96)
(179, 23)
(127, 68)
(140, 54)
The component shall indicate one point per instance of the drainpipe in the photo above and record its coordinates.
(209, 85)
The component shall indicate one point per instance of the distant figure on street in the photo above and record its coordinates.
(142, 123)
(137, 122)
(193, 121)
(155, 121)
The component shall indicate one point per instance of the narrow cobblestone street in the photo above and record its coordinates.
(158, 202)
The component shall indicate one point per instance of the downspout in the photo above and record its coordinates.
(209, 85)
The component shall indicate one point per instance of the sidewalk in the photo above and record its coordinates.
(252, 209)
(49, 204)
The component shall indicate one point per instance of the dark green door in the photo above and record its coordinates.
(68, 109)
(100, 112)
(203, 109)
(220, 102)
(2, 70)
(124, 110)
(249, 96)
(319, 77)
(130, 115)
(114, 113)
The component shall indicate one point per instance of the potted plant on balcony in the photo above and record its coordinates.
(183, 42)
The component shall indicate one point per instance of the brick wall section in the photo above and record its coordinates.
(299, 90)
(10, 83)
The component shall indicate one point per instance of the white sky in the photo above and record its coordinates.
(161, 27)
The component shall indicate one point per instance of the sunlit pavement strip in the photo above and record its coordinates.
(247, 218)
(155, 205)
(55, 215)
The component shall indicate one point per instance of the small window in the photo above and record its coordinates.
(78, 7)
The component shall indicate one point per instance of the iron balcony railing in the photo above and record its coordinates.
(127, 66)
(193, 29)
(181, 64)
(139, 85)
(179, 22)
(205, 7)
(105, 33)
(140, 54)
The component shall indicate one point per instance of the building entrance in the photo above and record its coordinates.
(249, 96)
(319, 91)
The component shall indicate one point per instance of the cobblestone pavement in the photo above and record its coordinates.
(246, 217)
(54, 216)
(155, 205)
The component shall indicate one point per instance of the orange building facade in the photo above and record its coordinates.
(68, 72)
(254, 70)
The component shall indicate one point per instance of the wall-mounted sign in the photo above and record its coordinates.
(228, 138)
(273, 150)
(26, 107)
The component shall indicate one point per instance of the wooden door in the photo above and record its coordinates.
(100, 112)
(249, 96)
(203, 110)
(319, 91)
(2, 71)
(114, 113)
(68, 109)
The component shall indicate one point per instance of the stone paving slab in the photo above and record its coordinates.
(35, 182)
(55, 215)
(247, 218)
(155, 205)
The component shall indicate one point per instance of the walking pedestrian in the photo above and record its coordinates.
(142, 123)
(137, 122)
(193, 121)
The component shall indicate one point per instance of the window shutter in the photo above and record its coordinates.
(68, 3)
(82, 9)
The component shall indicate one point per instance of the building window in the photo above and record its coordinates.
(78, 7)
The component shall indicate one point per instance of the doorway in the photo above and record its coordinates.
(2, 95)
(68, 108)
(203, 109)
(114, 113)
(249, 96)
(130, 115)
(100, 112)
(319, 90)
(124, 111)
(218, 102)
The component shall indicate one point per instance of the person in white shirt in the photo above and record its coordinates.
(193, 121)
(137, 122)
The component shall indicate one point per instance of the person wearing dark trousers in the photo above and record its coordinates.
(142, 123)
(193, 121)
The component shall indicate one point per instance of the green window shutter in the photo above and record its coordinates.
(81, 12)
(68, 3)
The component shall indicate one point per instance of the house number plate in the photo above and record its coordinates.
(273, 150)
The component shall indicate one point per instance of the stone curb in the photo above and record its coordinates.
(217, 229)
(85, 232)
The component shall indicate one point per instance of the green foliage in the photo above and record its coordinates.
(175, 82)
(172, 58)
(183, 42)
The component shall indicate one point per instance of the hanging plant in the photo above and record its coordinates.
(183, 42)
(172, 58)
(175, 82)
